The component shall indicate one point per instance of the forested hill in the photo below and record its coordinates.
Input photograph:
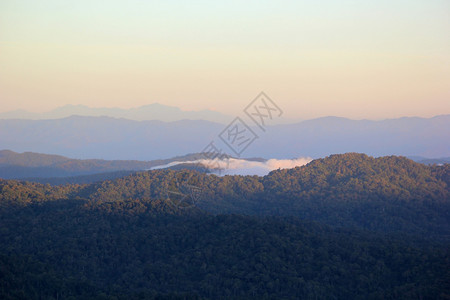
(56, 169)
(37, 166)
(387, 194)
(128, 239)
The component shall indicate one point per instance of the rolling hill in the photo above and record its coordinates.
(346, 227)
(386, 194)
(37, 166)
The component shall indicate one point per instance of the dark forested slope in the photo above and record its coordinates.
(145, 248)
(126, 238)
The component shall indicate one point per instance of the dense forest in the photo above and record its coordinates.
(387, 194)
(343, 227)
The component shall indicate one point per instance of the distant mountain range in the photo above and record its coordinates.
(107, 138)
(112, 138)
(407, 136)
(430, 161)
(153, 111)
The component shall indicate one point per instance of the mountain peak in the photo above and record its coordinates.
(153, 111)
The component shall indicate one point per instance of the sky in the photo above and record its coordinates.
(355, 59)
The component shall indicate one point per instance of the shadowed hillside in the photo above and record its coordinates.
(386, 234)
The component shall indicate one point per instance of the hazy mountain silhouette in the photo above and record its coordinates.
(430, 161)
(111, 138)
(408, 136)
(153, 111)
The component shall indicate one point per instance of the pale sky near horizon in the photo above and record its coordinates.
(356, 59)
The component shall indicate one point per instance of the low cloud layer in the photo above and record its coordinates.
(244, 167)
